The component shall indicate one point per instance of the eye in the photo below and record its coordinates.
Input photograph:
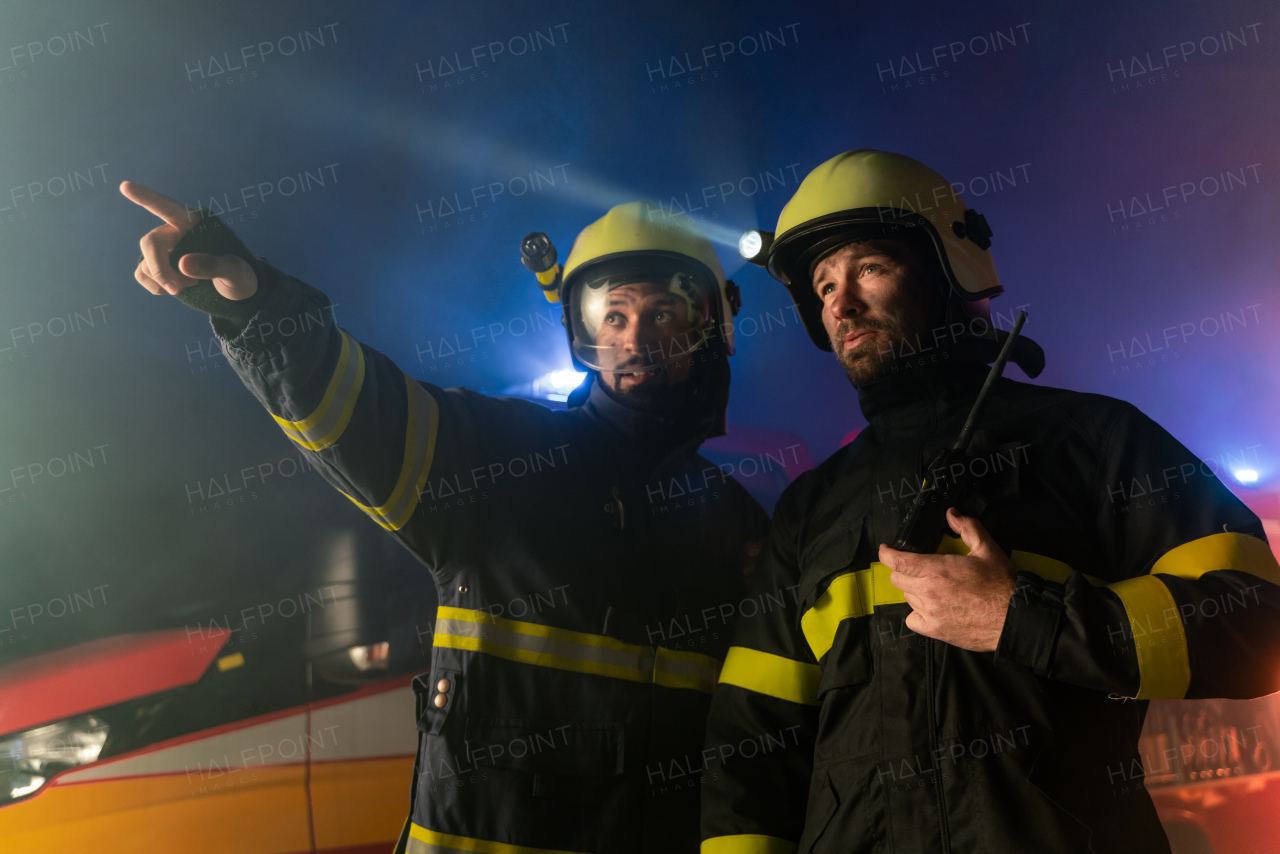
(615, 318)
(825, 289)
(870, 268)
(662, 316)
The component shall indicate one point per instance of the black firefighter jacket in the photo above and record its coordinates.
(562, 558)
(837, 729)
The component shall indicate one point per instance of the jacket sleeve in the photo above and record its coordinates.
(371, 430)
(1197, 610)
(764, 716)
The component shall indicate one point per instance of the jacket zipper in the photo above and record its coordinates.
(943, 827)
(933, 747)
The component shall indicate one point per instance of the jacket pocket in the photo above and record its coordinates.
(850, 661)
(1053, 778)
(830, 553)
(826, 598)
(847, 811)
(849, 703)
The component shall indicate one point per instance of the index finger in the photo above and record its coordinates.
(170, 210)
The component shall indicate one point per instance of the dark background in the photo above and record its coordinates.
(1078, 134)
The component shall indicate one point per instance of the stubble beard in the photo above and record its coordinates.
(869, 360)
(664, 397)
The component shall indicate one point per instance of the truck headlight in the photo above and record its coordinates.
(374, 656)
(28, 759)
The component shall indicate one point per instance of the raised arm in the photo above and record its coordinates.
(372, 431)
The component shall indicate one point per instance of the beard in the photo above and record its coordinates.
(872, 358)
(658, 395)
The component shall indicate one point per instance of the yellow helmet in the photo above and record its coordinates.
(867, 193)
(641, 241)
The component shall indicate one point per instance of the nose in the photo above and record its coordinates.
(634, 341)
(847, 301)
(630, 340)
(646, 340)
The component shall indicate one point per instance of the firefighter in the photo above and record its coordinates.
(562, 556)
(987, 697)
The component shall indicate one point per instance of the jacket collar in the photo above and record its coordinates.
(918, 396)
(654, 439)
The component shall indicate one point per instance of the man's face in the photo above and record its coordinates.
(875, 295)
(645, 325)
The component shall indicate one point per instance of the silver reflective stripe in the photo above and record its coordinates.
(420, 443)
(546, 646)
(557, 649)
(326, 424)
(686, 670)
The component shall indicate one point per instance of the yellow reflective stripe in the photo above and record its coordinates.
(445, 612)
(1163, 662)
(326, 424)
(1220, 551)
(1048, 568)
(526, 656)
(1045, 567)
(844, 599)
(419, 449)
(884, 593)
(858, 594)
(499, 638)
(851, 595)
(692, 670)
(773, 675)
(1159, 639)
(564, 649)
(1164, 668)
(423, 841)
(747, 843)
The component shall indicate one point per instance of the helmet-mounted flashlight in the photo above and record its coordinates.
(538, 254)
(754, 246)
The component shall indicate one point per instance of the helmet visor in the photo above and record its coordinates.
(641, 313)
